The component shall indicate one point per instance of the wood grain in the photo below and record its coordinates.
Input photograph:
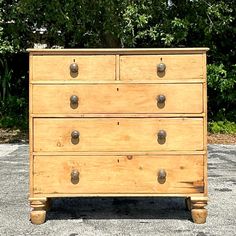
(121, 115)
(100, 67)
(31, 128)
(117, 72)
(56, 195)
(119, 153)
(130, 98)
(141, 67)
(205, 122)
(107, 82)
(135, 175)
(120, 51)
(117, 134)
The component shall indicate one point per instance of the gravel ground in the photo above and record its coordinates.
(117, 216)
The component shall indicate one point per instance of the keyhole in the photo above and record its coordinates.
(73, 60)
(118, 123)
(161, 58)
(117, 89)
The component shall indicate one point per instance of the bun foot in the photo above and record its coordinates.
(38, 212)
(198, 212)
(199, 216)
(38, 217)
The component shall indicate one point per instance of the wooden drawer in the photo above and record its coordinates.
(118, 174)
(100, 67)
(120, 98)
(118, 134)
(144, 67)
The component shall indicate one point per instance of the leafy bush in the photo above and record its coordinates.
(14, 91)
(221, 92)
(142, 23)
(14, 113)
(222, 127)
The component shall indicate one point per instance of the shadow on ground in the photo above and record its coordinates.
(118, 208)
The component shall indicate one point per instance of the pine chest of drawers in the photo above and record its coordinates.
(118, 122)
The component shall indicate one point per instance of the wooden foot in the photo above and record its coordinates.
(188, 203)
(38, 212)
(198, 212)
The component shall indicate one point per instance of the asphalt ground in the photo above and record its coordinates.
(117, 216)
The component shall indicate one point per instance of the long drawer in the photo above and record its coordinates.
(173, 67)
(99, 67)
(117, 134)
(117, 98)
(118, 174)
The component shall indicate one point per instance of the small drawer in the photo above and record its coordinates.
(120, 98)
(118, 174)
(166, 67)
(117, 134)
(76, 68)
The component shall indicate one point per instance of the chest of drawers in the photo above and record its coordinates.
(118, 122)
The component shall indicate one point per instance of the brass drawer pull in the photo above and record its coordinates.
(161, 176)
(74, 101)
(74, 176)
(161, 67)
(74, 68)
(75, 137)
(161, 136)
(75, 134)
(161, 99)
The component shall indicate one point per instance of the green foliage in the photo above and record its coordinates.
(5, 82)
(224, 127)
(13, 93)
(14, 113)
(5, 46)
(126, 23)
(221, 92)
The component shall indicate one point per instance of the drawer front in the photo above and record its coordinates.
(118, 134)
(141, 67)
(118, 174)
(129, 98)
(100, 67)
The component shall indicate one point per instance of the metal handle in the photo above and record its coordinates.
(75, 134)
(74, 100)
(161, 176)
(74, 68)
(161, 98)
(161, 67)
(161, 134)
(74, 176)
